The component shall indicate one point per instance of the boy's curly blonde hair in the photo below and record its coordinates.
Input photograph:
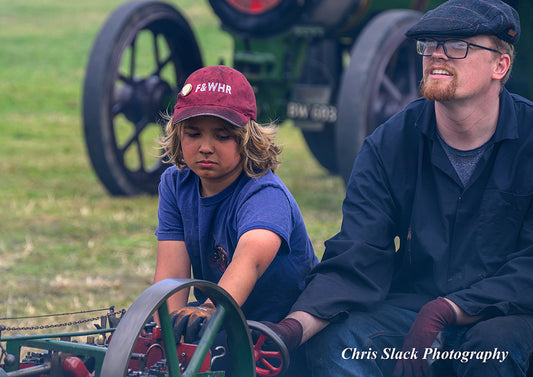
(258, 150)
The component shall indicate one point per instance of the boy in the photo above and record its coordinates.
(222, 210)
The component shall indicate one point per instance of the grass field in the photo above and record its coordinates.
(65, 244)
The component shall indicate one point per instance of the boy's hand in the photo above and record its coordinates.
(432, 319)
(188, 321)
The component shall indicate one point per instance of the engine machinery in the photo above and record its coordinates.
(129, 344)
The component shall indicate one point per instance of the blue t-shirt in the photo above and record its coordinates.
(212, 226)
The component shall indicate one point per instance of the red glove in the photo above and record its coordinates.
(430, 321)
(189, 321)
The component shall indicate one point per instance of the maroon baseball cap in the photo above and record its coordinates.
(218, 91)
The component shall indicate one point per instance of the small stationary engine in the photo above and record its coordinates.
(134, 346)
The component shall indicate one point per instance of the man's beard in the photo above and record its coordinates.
(437, 90)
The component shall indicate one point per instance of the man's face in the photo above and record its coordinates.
(447, 79)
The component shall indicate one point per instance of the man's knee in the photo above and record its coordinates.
(355, 347)
(502, 347)
(505, 332)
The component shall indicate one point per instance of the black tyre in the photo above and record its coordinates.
(382, 77)
(143, 53)
(258, 17)
(322, 71)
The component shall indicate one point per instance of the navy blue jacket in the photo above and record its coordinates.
(411, 231)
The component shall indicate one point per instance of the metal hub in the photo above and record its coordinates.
(143, 97)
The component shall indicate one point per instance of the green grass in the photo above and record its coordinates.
(65, 244)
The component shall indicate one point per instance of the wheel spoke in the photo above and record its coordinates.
(121, 97)
(139, 127)
(270, 354)
(391, 88)
(270, 370)
(157, 55)
(169, 343)
(266, 368)
(140, 154)
(134, 138)
(165, 62)
(126, 80)
(132, 58)
(213, 326)
(117, 108)
(412, 75)
(259, 343)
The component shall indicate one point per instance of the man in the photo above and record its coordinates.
(437, 232)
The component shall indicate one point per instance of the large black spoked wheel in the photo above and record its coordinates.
(258, 17)
(382, 77)
(143, 53)
(227, 314)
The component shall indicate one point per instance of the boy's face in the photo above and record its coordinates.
(211, 151)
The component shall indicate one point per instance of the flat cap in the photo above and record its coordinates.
(467, 18)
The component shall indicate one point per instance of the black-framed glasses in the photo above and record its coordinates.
(453, 48)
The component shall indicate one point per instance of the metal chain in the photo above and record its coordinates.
(71, 323)
(111, 309)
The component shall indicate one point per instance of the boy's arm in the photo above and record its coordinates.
(254, 252)
(173, 262)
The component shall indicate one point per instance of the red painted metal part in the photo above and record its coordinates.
(254, 7)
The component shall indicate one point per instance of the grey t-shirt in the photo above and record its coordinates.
(464, 162)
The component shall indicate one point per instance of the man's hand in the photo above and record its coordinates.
(189, 321)
(432, 319)
(289, 330)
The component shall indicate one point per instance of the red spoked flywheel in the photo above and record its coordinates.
(268, 363)
(270, 352)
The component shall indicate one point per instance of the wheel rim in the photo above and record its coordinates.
(227, 313)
